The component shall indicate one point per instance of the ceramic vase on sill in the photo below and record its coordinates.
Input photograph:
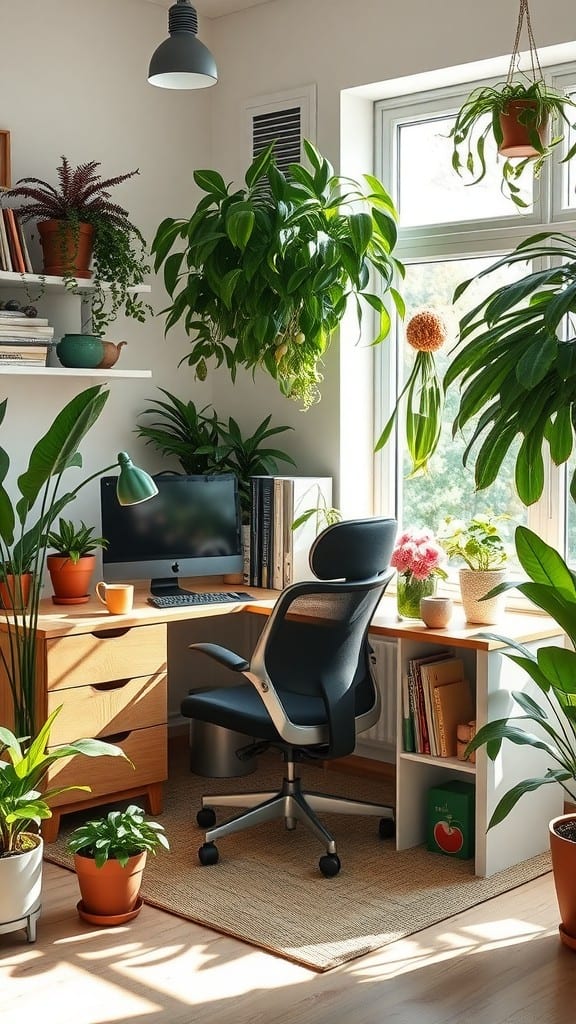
(474, 584)
(409, 593)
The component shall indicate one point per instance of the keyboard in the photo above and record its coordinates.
(192, 597)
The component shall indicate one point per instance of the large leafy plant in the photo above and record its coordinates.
(551, 587)
(25, 525)
(517, 367)
(119, 254)
(261, 276)
(24, 765)
(203, 443)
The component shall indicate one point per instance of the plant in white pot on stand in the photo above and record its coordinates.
(479, 545)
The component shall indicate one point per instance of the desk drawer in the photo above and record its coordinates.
(103, 708)
(146, 748)
(102, 657)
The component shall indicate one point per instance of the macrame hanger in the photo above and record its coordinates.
(534, 61)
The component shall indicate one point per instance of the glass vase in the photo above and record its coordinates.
(409, 591)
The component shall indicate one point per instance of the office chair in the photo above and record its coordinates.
(310, 689)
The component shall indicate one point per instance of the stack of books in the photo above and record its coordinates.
(276, 555)
(14, 255)
(23, 339)
(436, 698)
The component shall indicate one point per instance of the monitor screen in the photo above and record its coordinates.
(191, 528)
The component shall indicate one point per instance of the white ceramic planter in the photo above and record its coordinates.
(21, 890)
(473, 585)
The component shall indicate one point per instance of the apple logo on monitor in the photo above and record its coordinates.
(175, 566)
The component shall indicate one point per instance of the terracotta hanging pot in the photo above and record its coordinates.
(563, 850)
(15, 591)
(66, 247)
(516, 141)
(71, 580)
(110, 894)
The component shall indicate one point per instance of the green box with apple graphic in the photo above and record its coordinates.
(451, 819)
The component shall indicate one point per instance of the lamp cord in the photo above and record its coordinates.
(534, 60)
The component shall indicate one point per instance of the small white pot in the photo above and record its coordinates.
(474, 584)
(21, 889)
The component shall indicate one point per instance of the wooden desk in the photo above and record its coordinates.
(109, 673)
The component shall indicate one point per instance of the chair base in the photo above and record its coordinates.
(292, 804)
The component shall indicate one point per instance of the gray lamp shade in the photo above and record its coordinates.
(182, 61)
(134, 484)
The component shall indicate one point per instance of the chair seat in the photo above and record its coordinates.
(240, 708)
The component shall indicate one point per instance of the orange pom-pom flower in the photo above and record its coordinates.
(426, 331)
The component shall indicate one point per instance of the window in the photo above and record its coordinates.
(449, 231)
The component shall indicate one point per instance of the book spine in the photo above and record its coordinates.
(5, 243)
(421, 711)
(278, 536)
(288, 515)
(266, 497)
(24, 245)
(442, 743)
(7, 320)
(407, 717)
(245, 535)
(255, 552)
(14, 240)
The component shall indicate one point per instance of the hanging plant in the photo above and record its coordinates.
(262, 276)
(527, 119)
(426, 332)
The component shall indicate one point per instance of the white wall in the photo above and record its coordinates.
(73, 82)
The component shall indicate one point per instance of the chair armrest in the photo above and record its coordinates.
(223, 656)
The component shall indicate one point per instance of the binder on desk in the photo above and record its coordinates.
(279, 554)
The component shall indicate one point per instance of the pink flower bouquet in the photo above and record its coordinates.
(417, 554)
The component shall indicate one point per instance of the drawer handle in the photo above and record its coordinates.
(117, 737)
(111, 634)
(114, 684)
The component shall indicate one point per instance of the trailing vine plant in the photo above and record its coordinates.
(261, 276)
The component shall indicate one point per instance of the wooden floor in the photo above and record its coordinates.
(499, 963)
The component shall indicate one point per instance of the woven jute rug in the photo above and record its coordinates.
(267, 889)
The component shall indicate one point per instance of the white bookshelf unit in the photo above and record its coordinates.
(524, 833)
(57, 286)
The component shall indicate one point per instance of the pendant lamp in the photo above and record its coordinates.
(182, 61)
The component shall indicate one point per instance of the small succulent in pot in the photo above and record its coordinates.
(74, 541)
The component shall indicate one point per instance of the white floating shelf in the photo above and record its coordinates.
(57, 283)
(16, 369)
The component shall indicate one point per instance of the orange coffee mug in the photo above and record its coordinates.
(118, 597)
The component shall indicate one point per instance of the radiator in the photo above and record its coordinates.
(379, 742)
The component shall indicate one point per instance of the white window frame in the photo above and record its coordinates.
(475, 239)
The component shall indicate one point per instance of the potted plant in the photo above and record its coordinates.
(478, 544)
(72, 565)
(40, 502)
(202, 443)
(261, 276)
(516, 366)
(526, 117)
(24, 804)
(109, 858)
(79, 228)
(551, 587)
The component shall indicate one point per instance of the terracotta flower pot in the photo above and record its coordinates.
(516, 141)
(110, 891)
(66, 247)
(15, 591)
(563, 852)
(71, 580)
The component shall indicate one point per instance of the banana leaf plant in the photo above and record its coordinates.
(551, 587)
(261, 276)
(517, 367)
(24, 527)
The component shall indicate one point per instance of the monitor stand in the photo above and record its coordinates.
(165, 585)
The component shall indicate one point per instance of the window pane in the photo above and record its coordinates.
(448, 487)
(431, 192)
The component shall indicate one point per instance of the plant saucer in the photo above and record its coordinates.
(70, 600)
(109, 920)
(568, 939)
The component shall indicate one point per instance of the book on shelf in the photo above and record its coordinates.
(5, 256)
(454, 704)
(24, 343)
(433, 674)
(26, 351)
(14, 243)
(278, 554)
(25, 330)
(15, 317)
(24, 358)
(408, 740)
(420, 703)
(23, 244)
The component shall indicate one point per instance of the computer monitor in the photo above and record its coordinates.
(191, 528)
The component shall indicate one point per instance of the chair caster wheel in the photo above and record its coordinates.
(387, 828)
(208, 854)
(206, 817)
(329, 865)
